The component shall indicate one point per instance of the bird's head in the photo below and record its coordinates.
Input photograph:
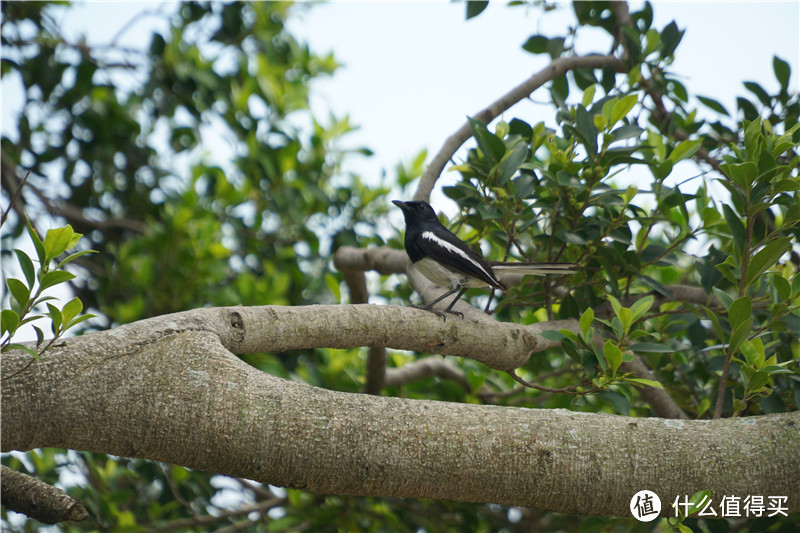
(416, 212)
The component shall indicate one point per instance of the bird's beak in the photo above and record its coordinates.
(401, 205)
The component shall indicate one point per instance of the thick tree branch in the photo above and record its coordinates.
(425, 368)
(36, 499)
(556, 68)
(500, 345)
(176, 394)
(382, 259)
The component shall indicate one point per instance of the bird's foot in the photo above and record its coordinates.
(442, 314)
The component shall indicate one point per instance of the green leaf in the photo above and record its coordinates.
(43, 299)
(739, 311)
(585, 127)
(15, 346)
(735, 226)
(569, 335)
(684, 149)
(645, 382)
(28, 318)
(55, 277)
(55, 316)
(39, 335)
(766, 257)
(620, 403)
(641, 307)
(740, 333)
(586, 321)
(19, 291)
(713, 104)
(536, 44)
(475, 8)
(626, 318)
(613, 355)
(627, 131)
(782, 287)
(492, 146)
(588, 95)
(78, 320)
(57, 240)
(511, 162)
(71, 309)
(757, 381)
(670, 38)
(74, 256)
(615, 305)
(26, 265)
(73, 242)
(552, 335)
(9, 321)
(37, 244)
(622, 108)
(742, 174)
(757, 90)
(747, 108)
(782, 72)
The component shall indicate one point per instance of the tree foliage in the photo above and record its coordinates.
(198, 173)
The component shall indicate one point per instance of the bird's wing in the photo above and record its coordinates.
(452, 252)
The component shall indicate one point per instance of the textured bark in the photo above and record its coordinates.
(169, 389)
(38, 500)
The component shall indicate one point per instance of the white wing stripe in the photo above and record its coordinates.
(453, 249)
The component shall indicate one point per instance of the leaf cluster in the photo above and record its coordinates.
(27, 295)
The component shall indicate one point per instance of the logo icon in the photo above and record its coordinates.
(645, 506)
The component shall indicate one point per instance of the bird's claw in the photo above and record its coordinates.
(442, 314)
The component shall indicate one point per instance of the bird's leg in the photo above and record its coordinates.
(457, 298)
(429, 306)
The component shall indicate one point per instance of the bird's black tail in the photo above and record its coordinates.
(533, 269)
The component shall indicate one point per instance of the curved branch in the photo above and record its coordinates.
(382, 259)
(425, 368)
(183, 398)
(556, 68)
(499, 345)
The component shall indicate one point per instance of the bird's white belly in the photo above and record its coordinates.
(444, 277)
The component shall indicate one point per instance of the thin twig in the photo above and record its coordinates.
(542, 388)
(175, 492)
(14, 198)
(186, 523)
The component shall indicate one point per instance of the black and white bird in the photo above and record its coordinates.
(449, 262)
